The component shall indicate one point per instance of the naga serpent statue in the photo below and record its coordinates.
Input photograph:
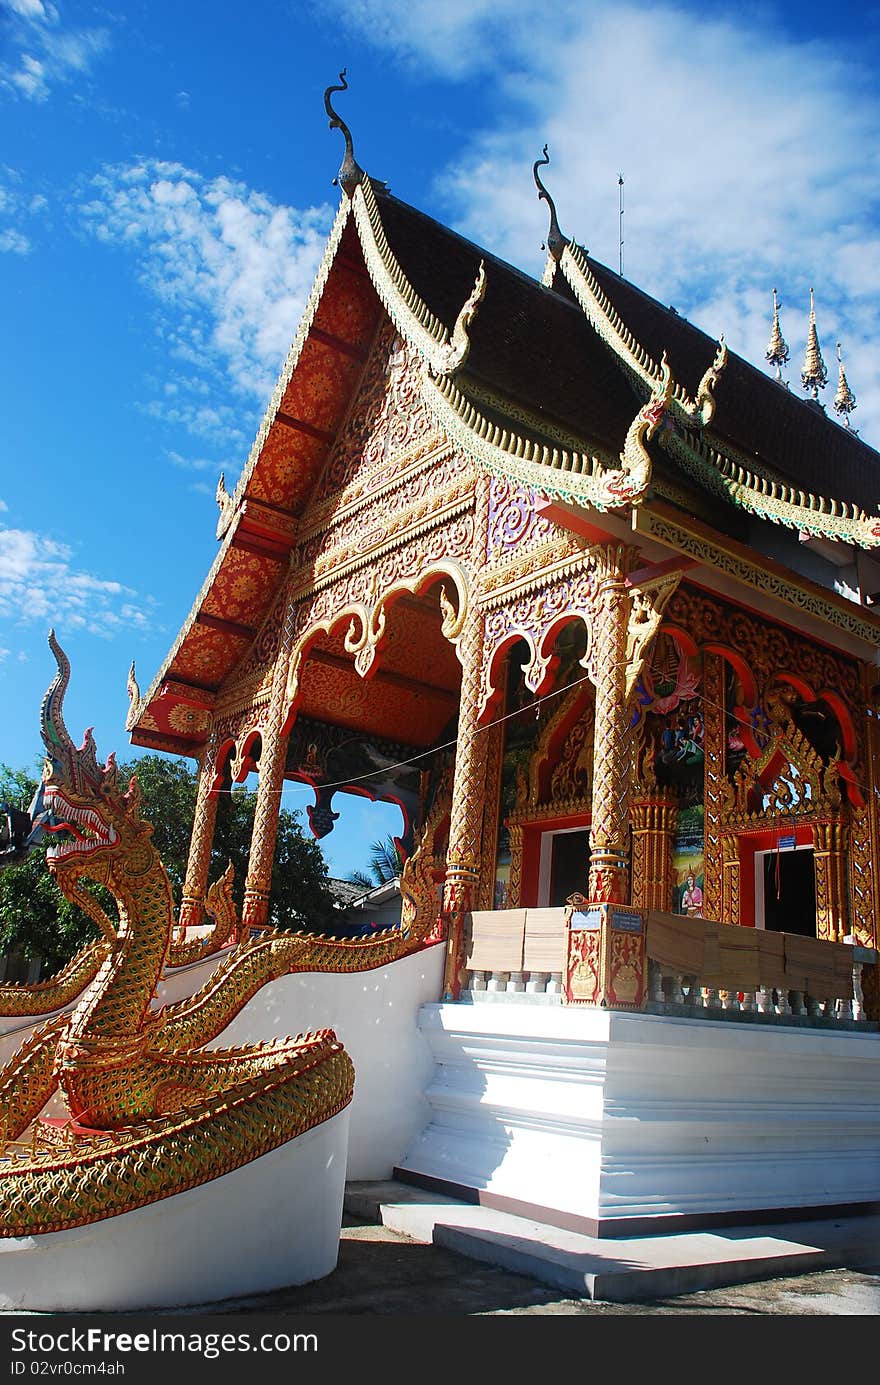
(152, 1111)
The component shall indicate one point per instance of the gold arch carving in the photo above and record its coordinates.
(367, 622)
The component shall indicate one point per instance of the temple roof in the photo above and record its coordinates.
(756, 414)
(531, 345)
(581, 386)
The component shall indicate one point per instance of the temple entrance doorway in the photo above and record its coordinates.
(565, 865)
(785, 891)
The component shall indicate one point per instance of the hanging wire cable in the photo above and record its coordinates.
(382, 773)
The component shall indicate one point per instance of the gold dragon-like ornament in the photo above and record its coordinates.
(629, 484)
(152, 1112)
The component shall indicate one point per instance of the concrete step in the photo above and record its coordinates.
(618, 1270)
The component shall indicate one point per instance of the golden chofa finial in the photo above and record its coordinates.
(814, 376)
(556, 241)
(350, 172)
(777, 352)
(844, 400)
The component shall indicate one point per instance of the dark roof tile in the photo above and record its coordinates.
(534, 345)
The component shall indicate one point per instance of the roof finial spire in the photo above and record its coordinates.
(814, 376)
(350, 172)
(777, 352)
(556, 241)
(844, 400)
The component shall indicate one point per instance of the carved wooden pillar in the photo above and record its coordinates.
(830, 852)
(730, 877)
(864, 865)
(715, 784)
(653, 824)
(609, 871)
(494, 758)
(463, 856)
(514, 884)
(273, 754)
(198, 863)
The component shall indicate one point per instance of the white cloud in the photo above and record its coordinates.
(17, 207)
(44, 52)
(28, 9)
(751, 158)
(459, 36)
(14, 243)
(40, 582)
(194, 463)
(231, 268)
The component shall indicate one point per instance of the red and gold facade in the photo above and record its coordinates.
(642, 709)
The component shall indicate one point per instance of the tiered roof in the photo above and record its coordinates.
(582, 386)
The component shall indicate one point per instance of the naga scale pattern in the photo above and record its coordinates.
(152, 1112)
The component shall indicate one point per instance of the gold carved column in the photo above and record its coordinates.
(464, 854)
(715, 786)
(514, 884)
(830, 856)
(653, 826)
(273, 754)
(864, 866)
(463, 857)
(198, 863)
(730, 878)
(609, 870)
(491, 814)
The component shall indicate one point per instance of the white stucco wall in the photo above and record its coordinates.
(602, 1115)
(272, 1223)
(375, 1014)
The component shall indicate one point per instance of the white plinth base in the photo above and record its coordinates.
(273, 1223)
(606, 1122)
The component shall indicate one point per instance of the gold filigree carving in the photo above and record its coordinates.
(451, 357)
(226, 506)
(648, 600)
(135, 702)
(611, 328)
(786, 588)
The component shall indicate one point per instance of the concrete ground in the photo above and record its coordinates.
(382, 1272)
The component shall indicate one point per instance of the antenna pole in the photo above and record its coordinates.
(620, 212)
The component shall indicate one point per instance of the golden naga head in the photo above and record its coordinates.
(79, 802)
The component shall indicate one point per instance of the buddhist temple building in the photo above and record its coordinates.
(585, 593)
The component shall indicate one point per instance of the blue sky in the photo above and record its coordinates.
(165, 187)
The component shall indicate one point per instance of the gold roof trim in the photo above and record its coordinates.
(445, 352)
(776, 501)
(292, 361)
(606, 321)
(232, 509)
(575, 476)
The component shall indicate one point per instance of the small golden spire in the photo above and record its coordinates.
(777, 352)
(814, 376)
(844, 400)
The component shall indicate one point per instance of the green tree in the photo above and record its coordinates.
(37, 921)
